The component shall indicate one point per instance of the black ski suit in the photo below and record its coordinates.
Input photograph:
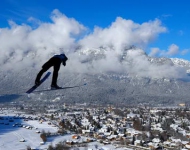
(54, 62)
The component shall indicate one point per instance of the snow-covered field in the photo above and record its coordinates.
(13, 130)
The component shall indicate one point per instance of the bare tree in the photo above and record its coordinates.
(137, 124)
(43, 136)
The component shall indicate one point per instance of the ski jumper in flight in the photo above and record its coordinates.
(54, 62)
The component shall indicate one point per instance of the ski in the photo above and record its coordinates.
(41, 81)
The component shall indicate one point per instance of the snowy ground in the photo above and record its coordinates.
(11, 134)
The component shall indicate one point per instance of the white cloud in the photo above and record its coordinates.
(23, 46)
(172, 50)
(144, 67)
(123, 33)
(21, 41)
(185, 51)
(154, 51)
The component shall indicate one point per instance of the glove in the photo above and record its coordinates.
(64, 63)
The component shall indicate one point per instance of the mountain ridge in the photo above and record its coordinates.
(109, 87)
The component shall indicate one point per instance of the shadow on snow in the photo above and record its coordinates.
(70, 87)
(9, 123)
(9, 97)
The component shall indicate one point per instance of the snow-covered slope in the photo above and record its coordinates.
(181, 62)
(129, 77)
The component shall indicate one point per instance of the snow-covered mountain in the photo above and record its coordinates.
(112, 77)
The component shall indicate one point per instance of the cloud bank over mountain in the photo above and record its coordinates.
(26, 46)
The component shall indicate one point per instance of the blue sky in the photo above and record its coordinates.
(174, 15)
